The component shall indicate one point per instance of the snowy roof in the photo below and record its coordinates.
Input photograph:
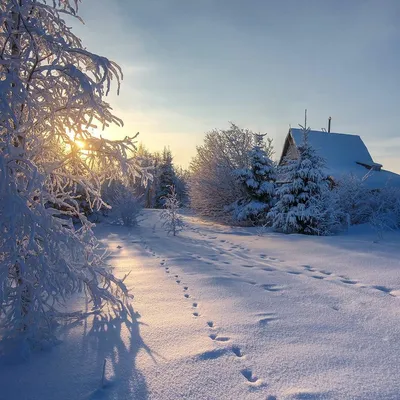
(345, 154)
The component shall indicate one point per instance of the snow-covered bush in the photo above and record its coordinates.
(172, 221)
(304, 202)
(385, 214)
(258, 181)
(380, 207)
(128, 207)
(51, 97)
(213, 187)
(355, 199)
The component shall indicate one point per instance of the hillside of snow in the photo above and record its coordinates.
(222, 313)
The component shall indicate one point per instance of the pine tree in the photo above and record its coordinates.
(303, 201)
(166, 178)
(259, 184)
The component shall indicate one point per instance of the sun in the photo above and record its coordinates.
(80, 144)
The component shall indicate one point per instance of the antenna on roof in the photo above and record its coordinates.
(329, 124)
(305, 118)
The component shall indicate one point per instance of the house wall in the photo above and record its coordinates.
(292, 152)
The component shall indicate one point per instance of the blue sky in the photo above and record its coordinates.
(191, 66)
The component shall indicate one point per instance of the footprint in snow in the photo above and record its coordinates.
(237, 352)
(119, 247)
(266, 318)
(185, 287)
(217, 338)
(248, 374)
(293, 272)
(348, 281)
(187, 295)
(382, 288)
(178, 281)
(196, 314)
(176, 276)
(318, 277)
(194, 305)
(268, 269)
(271, 287)
(326, 272)
(210, 324)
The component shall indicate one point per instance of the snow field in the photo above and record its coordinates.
(221, 313)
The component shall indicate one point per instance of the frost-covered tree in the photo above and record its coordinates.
(303, 199)
(213, 187)
(172, 221)
(258, 181)
(51, 98)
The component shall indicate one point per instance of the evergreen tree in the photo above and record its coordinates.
(166, 178)
(259, 184)
(303, 201)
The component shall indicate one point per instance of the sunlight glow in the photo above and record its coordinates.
(80, 144)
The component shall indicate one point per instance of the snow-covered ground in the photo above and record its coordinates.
(222, 313)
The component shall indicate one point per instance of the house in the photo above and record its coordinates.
(344, 154)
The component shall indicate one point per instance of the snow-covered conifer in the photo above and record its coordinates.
(172, 221)
(51, 98)
(166, 178)
(303, 199)
(259, 184)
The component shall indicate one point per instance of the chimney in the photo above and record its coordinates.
(329, 124)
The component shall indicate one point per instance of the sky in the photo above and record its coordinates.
(192, 66)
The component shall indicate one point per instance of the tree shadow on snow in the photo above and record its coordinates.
(116, 339)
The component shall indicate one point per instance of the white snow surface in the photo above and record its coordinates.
(225, 314)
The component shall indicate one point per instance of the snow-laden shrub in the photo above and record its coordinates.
(380, 207)
(385, 205)
(355, 199)
(128, 207)
(124, 203)
(172, 221)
